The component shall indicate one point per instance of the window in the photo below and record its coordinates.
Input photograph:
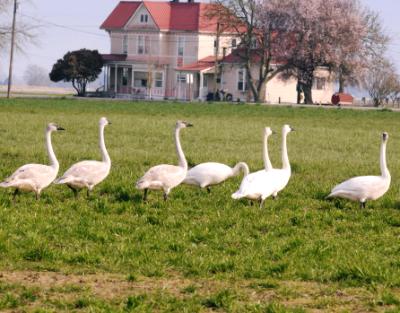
(144, 18)
(233, 43)
(241, 82)
(143, 44)
(205, 81)
(159, 79)
(125, 44)
(181, 78)
(125, 76)
(253, 44)
(181, 45)
(319, 83)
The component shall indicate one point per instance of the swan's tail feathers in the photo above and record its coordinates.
(237, 195)
(142, 184)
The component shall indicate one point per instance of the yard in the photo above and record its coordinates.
(198, 252)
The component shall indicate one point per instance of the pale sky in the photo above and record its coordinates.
(74, 24)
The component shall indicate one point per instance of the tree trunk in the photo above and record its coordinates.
(341, 83)
(307, 94)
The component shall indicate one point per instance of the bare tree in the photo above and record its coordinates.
(378, 80)
(36, 76)
(261, 27)
(25, 32)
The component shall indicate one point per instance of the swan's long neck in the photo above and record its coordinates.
(384, 169)
(104, 153)
(241, 166)
(179, 151)
(267, 162)
(50, 152)
(285, 158)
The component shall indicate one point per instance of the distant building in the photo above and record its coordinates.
(166, 50)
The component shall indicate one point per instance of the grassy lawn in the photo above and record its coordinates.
(198, 252)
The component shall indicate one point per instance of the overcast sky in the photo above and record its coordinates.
(74, 24)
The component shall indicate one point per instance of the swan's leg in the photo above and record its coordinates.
(275, 195)
(261, 203)
(165, 196)
(145, 195)
(75, 191)
(37, 195)
(88, 192)
(15, 195)
(362, 204)
(208, 189)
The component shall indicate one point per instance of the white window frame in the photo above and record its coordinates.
(125, 76)
(159, 80)
(143, 44)
(243, 81)
(125, 44)
(319, 83)
(181, 78)
(180, 46)
(233, 43)
(144, 18)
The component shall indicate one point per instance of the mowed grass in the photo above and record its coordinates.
(199, 252)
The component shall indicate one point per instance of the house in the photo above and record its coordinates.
(151, 40)
(166, 50)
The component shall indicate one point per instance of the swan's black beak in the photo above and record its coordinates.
(273, 132)
(385, 136)
(292, 129)
(189, 125)
(60, 128)
(109, 123)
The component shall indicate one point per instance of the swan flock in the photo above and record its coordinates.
(258, 185)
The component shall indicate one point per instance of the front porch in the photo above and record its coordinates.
(135, 81)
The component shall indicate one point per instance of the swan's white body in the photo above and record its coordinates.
(87, 174)
(212, 173)
(165, 177)
(264, 183)
(35, 177)
(363, 188)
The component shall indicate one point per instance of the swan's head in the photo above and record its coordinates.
(287, 129)
(268, 131)
(385, 136)
(183, 124)
(104, 121)
(53, 127)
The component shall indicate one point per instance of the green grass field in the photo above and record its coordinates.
(198, 252)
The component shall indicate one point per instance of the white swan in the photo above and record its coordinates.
(212, 173)
(262, 184)
(166, 176)
(87, 174)
(35, 177)
(363, 188)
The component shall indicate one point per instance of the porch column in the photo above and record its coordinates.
(201, 86)
(116, 78)
(133, 79)
(105, 78)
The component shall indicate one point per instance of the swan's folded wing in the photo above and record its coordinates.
(30, 171)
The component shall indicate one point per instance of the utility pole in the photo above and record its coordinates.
(12, 49)
(216, 66)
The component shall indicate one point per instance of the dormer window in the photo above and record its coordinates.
(144, 18)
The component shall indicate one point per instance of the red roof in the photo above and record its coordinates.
(167, 15)
(200, 65)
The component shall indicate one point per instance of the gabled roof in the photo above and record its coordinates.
(175, 16)
(200, 65)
